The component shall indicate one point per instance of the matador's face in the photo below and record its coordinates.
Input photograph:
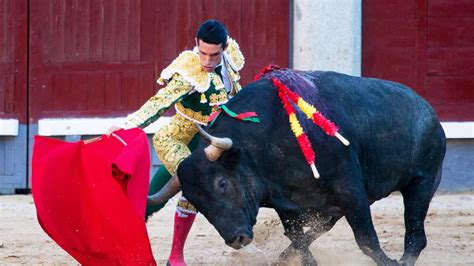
(209, 54)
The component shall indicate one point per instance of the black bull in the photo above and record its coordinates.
(397, 144)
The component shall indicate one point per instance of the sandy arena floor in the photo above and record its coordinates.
(449, 227)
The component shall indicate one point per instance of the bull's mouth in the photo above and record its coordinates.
(239, 241)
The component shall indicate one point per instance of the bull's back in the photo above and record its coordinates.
(393, 131)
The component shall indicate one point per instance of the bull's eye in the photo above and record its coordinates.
(222, 184)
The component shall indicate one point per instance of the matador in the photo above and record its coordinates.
(197, 82)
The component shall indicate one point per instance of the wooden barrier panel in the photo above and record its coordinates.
(101, 58)
(426, 45)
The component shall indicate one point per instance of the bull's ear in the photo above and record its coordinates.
(231, 158)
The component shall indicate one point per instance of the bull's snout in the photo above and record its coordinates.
(240, 240)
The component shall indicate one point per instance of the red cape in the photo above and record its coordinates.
(90, 198)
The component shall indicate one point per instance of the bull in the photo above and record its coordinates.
(396, 144)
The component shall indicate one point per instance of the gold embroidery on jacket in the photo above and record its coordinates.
(171, 142)
(191, 115)
(159, 103)
(236, 57)
(218, 98)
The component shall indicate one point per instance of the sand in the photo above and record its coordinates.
(449, 228)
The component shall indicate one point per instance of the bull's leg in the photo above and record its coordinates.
(309, 236)
(416, 198)
(299, 242)
(353, 200)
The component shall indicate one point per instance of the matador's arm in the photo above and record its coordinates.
(174, 91)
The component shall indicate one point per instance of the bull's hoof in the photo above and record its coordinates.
(291, 253)
(407, 262)
(389, 262)
(308, 259)
(240, 240)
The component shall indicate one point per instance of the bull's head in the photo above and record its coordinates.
(217, 182)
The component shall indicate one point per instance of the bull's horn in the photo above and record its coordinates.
(221, 143)
(213, 153)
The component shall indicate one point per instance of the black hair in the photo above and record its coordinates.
(212, 31)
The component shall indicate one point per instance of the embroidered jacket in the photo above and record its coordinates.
(194, 92)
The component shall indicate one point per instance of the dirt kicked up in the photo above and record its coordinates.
(449, 228)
